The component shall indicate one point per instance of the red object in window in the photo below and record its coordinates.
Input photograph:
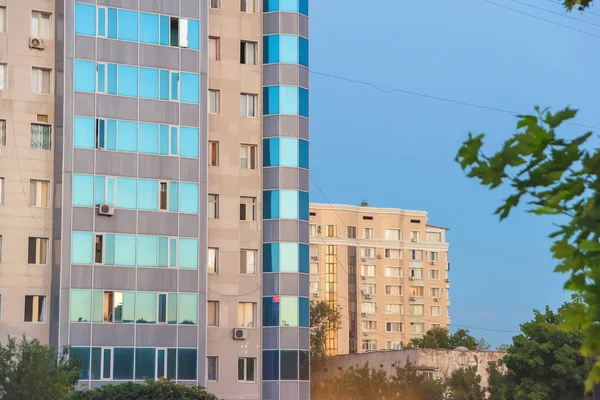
(276, 299)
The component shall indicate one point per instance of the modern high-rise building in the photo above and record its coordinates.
(386, 269)
(154, 189)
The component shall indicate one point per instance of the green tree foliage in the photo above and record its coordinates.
(558, 177)
(578, 4)
(496, 381)
(162, 389)
(465, 384)
(31, 370)
(323, 317)
(440, 338)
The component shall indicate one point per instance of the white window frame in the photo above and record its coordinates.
(390, 325)
(433, 272)
(370, 268)
(415, 236)
(412, 310)
(166, 209)
(183, 32)
(369, 328)
(433, 256)
(166, 305)
(44, 309)
(369, 345)
(415, 324)
(254, 307)
(112, 315)
(416, 288)
(416, 275)
(245, 201)
(253, 2)
(395, 231)
(105, 87)
(39, 15)
(249, 148)
(392, 268)
(105, 21)
(217, 372)
(216, 205)
(216, 268)
(393, 286)
(47, 248)
(156, 362)
(431, 292)
(368, 233)
(254, 98)
(370, 306)
(388, 254)
(40, 71)
(255, 257)
(38, 191)
(369, 288)
(246, 369)
(217, 93)
(439, 308)
(112, 363)
(217, 314)
(400, 306)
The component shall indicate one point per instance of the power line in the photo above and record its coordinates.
(542, 19)
(391, 90)
(555, 13)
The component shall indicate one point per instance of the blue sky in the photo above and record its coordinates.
(397, 150)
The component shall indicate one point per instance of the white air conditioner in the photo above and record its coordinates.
(364, 314)
(363, 259)
(240, 334)
(447, 280)
(368, 296)
(106, 209)
(411, 278)
(413, 298)
(315, 294)
(413, 240)
(363, 277)
(436, 299)
(37, 43)
(379, 256)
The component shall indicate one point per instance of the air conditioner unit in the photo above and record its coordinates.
(411, 278)
(368, 296)
(363, 259)
(447, 280)
(314, 257)
(363, 277)
(413, 240)
(431, 262)
(364, 314)
(379, 256)
(413, 298)
(106, 209)
(315, 294)
(240, 334)
(37, 43)
(436, 299)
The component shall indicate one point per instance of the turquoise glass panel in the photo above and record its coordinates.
(149, 83)
(127, 136)
(187, 364)
(164, 84)
(270, 364)
(102, 22)
(194, 34)
(101, 78)
(172, 308)
(289, 100)
(303, 308)
(83, 355)
(271, 311)
(303, 208)
(271, 204)
(164, 140)
(97, 305)
(96, 362)
(146, 251)
(112, 23)
(188, 253)
(99, 190)
(128, 25)
(288, 204)
(111, 134)
(123, 363)
(145, 363)
(303, 102)
(288, 311)
(189, 142)
(82, 248)
(303, 50)
(148, 194)
(129, 307)
(175, 86)
(101, 126)
(303, 154)
(125, 250)
(173, 252)
(288, 5)
(148, 138)
(85, 76)
(288, 257)
(271, 49)
(163, 252)
(271, 257)
(85, 19)
(83, 190)
(270, 152)
(174, 140)
(288, 152)
(109, 251)
(110, 191)
(188, 197)
(189, 88)
(304, 257)
(128, 80)
(165, 26)
(188, 308)
(81, 305)
(112, 79)
(149, 28)
(270, 5)
(173, 197)
(126, 193)
(289, 52)
(270, 100)
(304, 7)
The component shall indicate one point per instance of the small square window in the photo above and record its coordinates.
(213, 368)
(248, 6)
(37, 252)
(247, 315)
(41, 80)
(213, 159)
(35, 308)
(247, 208)
(40, 137)
(246, 369)
(214, 48)
(215, 3)
(248, 262)
(215, 101)
(41, 25)
(248, 105)
(39, 193)
(248, 156)
(248, 52)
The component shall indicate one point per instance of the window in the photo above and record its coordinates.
(393, 290)
(434, 256)
(434, 236)
(41, 26)
(212, 266)
(368, 252)
(314, 287)
(435, 311)
(368, 270)
(369, 288)
(247, 208)
(390, 345)
(352, 232)
(247, 156)
(41, 80)
(393, 308)
(314, 268)
(416, 255)
(213, 368)
(368, 308)
(314, 230)
(2, 190)
(393, 272)
(113, 306)
(248, 262)
(434, 274)
(2, 125)
(2, 19)
(248, 52)
(416, 273)
(38, 248)
(369, 325)
(392, 234)
(163, 196)
(39, 193)
(215, 3)
(35, 308)
(213, 206)
(3, 75)
(40, 137)
(416, 310)
(369, 345)
(214, 48)
(213, 313)
(314, 251)
(331, 230)
(213, 157)
(246, 369)
(395, 327)
(416, 291)
(417, 327)
(415, 236)
(368, 233)
(393, 253)
(215, 101)
(435, 292)
(248, 6)
(247, 105)
(99, 249)
(247, 315)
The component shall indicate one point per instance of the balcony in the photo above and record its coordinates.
(415, 263)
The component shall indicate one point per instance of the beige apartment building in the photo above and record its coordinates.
(387, 270)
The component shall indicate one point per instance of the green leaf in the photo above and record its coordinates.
(554, 120)
(590, 245)
(545, 210)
